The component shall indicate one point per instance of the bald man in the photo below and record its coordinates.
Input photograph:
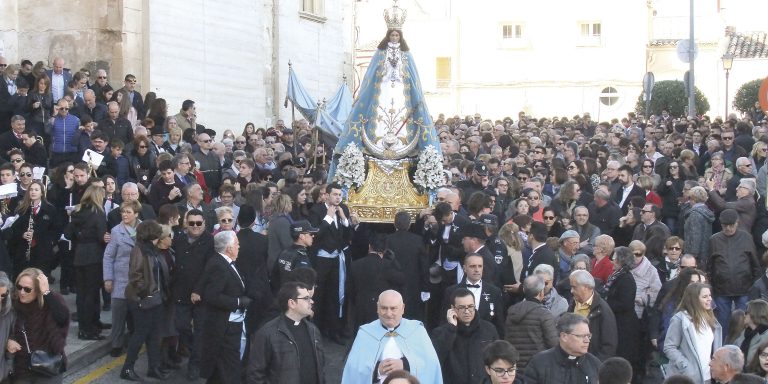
(390, 343)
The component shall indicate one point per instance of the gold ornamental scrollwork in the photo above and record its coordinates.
(387, 190)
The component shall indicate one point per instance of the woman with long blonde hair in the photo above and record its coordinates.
(509, 234)
(31, 244)
(86, 231)
(693, 334)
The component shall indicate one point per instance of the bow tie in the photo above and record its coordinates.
(472, 285)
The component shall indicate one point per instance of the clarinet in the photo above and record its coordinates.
(30, 228)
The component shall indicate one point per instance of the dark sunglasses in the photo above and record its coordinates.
(101, 77)
(25, 174)
(194, 223)
(17, 161)
(142, 147)
(25, 289)
(638, 254)
(549, 217)
(674, 248)
(206, 141)
(226, 220)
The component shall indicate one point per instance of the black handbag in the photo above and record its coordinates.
(42, 362)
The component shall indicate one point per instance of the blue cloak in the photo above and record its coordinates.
(364, 110)
(413, 341)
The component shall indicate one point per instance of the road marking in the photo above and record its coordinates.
(102, 370)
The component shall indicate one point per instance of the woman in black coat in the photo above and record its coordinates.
(620, 294)
(32, 246)
(62, 194)
(87, 230)
(671, 191)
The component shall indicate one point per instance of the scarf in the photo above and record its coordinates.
(612, 278)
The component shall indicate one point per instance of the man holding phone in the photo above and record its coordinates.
(459, 342)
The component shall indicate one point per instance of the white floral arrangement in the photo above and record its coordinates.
(429, 172)
(351, 170)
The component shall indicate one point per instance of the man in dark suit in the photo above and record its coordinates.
(413, 259)
(370, 276)
(193, 249)
(542, 254)
(252, 264)
(225, 307)
(488, 299)
(627, 190)
(331, 263)
(90, 107)
(649, 217)
(602, 323)
(13, 138)
(473, 238)
(136, 100)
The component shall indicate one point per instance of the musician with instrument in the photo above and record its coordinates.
(31, 237)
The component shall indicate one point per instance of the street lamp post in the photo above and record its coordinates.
(727, 65)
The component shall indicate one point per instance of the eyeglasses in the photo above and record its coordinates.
(638, 254)
(584, 337)
(194, 223)
(206, 141)
(727, 137)
(647, 166)
(500, 372)
(534, 197)
(523, 178)
(307, 298)
(674, 248)
(3, 65)
(142, 147)
(226, 220)
(25, 289)
(101, 77)
(25, 174)
(17, 160)
(549, 217)
(63, 109)
(763, 355)
(465, 308)
(237, 161)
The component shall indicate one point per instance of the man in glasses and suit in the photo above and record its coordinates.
(193, 248)
(487, 297)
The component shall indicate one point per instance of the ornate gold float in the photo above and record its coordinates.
(387, 190)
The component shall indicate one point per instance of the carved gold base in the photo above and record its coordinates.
(387, 190)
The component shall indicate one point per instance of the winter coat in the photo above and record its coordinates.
(117, 259)
(756, 341)
(531, 329)
(697, 231)
(275, 358)
(602, 325)
(555, 366)
(648, 285)
(65, 134)
(745, 206)
(733, 264)
(460, 350)
(621, 299)
(670, 195)
(87, 231)
(680, 348)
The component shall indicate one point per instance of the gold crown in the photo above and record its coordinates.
(395, 16)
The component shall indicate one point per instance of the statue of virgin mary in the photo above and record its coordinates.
(389, 119)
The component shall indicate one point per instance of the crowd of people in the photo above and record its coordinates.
(552, 242)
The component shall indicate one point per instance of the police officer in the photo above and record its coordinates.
(296, 256)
